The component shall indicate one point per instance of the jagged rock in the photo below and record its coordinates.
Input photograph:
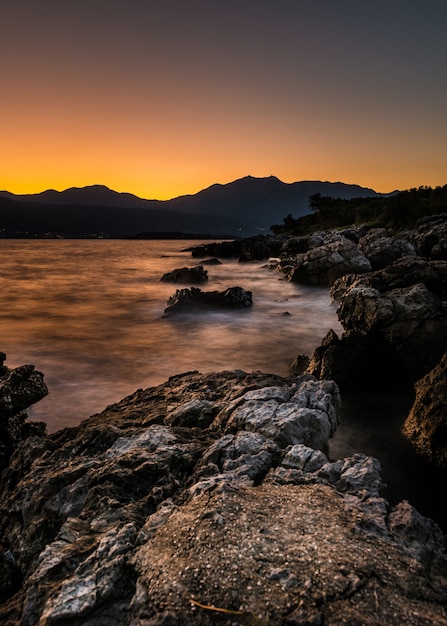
(426, 424)
(186, 275)
(412, 320)
(358, 359)
(382, 249)
(329, 258)
(430, 236)
(185, 300)
(19, 389)
(406, 271)
(183, 496)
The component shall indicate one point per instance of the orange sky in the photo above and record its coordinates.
(164, 99)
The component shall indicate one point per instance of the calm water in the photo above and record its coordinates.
(89, 315)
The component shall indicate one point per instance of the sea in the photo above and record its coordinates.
(89, 314)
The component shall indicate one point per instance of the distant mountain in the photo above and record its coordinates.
(243, 207)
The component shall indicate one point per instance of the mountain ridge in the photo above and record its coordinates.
(242, 207)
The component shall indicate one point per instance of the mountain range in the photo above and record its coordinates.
(240, 208)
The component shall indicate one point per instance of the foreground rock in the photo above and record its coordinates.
(186, 275)
(210, 499)
(19, 389)
(187, 300)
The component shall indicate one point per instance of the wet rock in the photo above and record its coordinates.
(186, 275)
(426, 424)
(186, 300)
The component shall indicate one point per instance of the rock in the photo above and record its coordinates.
(201, 494)
(19, 389)
(186, 275)
(211, 261)
(426, 424)
(358, 359)
(382, 249)
(430, 236)
(331, 257)
(186, 300)
(406, 271)
(411, 320)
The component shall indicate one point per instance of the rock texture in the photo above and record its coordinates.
(186, 300)
(210, 499)
(330, 256)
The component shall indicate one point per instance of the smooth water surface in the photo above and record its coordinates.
(89, 315)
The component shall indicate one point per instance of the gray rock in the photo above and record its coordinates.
(382, 249)
(187, 496)
(328, 259)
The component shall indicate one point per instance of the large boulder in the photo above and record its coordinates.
(186, 504)
(426, 424)
(194, 299)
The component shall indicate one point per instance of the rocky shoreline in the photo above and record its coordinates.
(211, 499)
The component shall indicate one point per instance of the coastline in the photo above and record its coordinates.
(189, 497)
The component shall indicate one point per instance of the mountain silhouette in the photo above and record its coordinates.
(243, 207)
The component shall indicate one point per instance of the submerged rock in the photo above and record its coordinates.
(186, 275)
(186, 300)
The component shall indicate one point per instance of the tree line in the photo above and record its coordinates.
(396, 212)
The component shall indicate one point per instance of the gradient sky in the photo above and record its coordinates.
(164, 98)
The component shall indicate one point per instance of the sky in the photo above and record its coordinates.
(165, 98)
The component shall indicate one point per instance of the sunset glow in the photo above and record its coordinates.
(165, 99)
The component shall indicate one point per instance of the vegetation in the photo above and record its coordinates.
(398, 211)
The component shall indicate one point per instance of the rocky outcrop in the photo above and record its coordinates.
(395, 324)
(187, 275)
(381, 249)
(211, 497)
(430, 237)
(194, 299)
(426, 424)
(19, 389)
(331, 255)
